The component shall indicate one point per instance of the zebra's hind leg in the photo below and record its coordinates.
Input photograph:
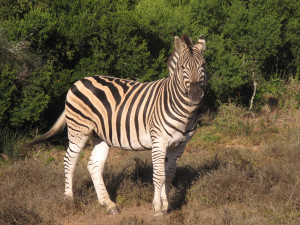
(95, 167)
(76, 144)
(172, 156)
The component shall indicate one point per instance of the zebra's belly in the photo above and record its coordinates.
(136, 143)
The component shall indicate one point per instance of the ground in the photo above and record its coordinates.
(239, 168)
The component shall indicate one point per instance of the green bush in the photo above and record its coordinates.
(10, 142)
(229, 118)
(47, 45)
(279, 93)
(7, 89)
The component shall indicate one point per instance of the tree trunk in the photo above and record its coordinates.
(253, 95)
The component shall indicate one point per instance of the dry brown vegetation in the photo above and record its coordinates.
(238, 169)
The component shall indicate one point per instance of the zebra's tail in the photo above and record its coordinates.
(58, 126)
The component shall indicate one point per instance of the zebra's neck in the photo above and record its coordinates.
(172, 62)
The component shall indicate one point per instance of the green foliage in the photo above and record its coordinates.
(47, 45)
(229, 77)
(229, 118)
(280, 94)
(210, 136)
(7, 89)
(10, 141)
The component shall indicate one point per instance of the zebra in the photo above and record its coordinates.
(160, 116)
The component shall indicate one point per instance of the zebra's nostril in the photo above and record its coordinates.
(195, 92)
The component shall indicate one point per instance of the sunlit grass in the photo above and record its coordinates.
(248, 175)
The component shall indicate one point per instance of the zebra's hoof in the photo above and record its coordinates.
(165, 211)
(158, 215)
(68, 198)
(114, 210)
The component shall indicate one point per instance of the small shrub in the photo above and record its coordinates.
(280, 94)
(231, 120)
(10, 142)
(291, 95)
(209, 136)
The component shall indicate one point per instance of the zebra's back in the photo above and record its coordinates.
(117, 110)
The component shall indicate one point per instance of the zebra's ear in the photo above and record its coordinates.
(179, 44)
(201, 43)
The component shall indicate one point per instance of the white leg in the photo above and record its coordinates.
(95, 167)
(170, 167)
(76, 144)
(165, 191)
(158, 160)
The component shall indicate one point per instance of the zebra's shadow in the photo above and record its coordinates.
(184, 178)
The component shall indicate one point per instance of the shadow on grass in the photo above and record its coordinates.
(184, 178)
(137, 171)
(138, 174)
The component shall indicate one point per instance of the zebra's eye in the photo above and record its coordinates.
(182, 67)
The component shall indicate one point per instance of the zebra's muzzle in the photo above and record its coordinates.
(195, 93)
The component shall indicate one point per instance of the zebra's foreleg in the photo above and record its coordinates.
(158, 160)
(95, 167)
(165, 194)
(170, 167)
(70, 160)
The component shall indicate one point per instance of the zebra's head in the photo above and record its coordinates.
(190, 66)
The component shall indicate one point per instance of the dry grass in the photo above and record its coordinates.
(240, 172)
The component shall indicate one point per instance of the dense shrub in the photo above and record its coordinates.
(46, 45)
